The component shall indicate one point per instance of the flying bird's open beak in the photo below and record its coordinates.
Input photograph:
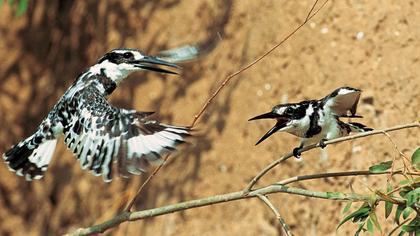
(281, 123)
(154, 64)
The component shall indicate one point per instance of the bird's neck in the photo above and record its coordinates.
(109, 70)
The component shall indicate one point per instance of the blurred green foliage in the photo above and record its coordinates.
(19, 7)
(407, 203)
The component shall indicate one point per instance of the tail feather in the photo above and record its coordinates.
(30, 159)
(357, 127)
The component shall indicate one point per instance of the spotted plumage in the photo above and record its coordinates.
(98, 133)
(317, 120)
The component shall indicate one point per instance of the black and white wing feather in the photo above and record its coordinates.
(342, 102)
(30, 158)
(102, 134)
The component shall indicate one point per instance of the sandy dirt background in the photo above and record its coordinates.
(371, 45)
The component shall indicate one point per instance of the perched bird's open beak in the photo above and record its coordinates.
(268, 115)
(281, 123)
(153, 63)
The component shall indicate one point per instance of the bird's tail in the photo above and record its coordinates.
(357, 127)
(30, 157)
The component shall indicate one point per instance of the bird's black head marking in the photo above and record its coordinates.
(119, 56)
(292, 110)
(130, 60)
(284, 114)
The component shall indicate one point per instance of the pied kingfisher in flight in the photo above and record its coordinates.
(98, 133)
(316, 121)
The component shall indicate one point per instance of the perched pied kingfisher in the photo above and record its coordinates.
(98, 133)
(316, 121)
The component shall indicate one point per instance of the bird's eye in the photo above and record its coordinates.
(127, 55)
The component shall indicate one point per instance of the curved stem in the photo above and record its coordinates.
(276, 212)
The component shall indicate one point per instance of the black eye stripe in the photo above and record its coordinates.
(128, 55)
(117, 57)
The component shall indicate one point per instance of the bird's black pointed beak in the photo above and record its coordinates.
(276, 127)
(281, 122)
(157, 65)
(268, 115)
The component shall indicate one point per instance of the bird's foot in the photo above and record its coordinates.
(322, 143)
(297, 152)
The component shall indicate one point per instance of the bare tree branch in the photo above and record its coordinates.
(333, 141)
(279, 187)
(282, 222)
(339, 174)
(276, 188)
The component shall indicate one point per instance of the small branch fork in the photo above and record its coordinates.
(310, 15)
(280, 187)
(333, 141)
(282, 222)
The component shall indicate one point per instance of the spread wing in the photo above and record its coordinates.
(342, 102)
(102, 134)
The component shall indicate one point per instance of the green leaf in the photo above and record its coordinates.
(405, 182)
(381, 167)
(361, 217)
(406, 212)
(388, 209)
(404, 191)
(346, 207)
(375, 221)
(388, 205)
(357, 215)
(413, 226)
(412, 197)
(415, 159)
(398, 213)
(22, 7)
(409, 228)
(370, 227)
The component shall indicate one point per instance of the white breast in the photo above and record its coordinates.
(301, 126)
(330, 127)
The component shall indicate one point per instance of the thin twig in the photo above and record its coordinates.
(402, 155)
(398, 226)
(282, 222)
(402, 186)
(223, 84)
(333, 141)
(137, 215)
(133, 200)
(337, 174)
(310, 11)
(274, 188)
(229, 77)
